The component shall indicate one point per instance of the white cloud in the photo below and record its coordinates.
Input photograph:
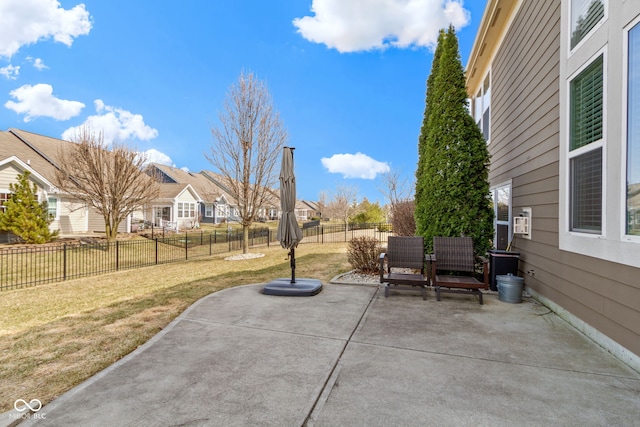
(10, 72)
(23, 22)
(154, 156)
(37, 63)
(116, 124)
(38, 101)
(356, 25)
(354, 165)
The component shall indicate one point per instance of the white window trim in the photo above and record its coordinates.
(209, 207)
(590, 244)
(624, 126)
(587, 148)
(187, 208)
(57, 217)
(609, 245)
(4, 191)
(589, 34)
(493, 189)
(478, 99)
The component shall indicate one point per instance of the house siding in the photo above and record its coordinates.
(184, 223)
(95, 223)
(8, 175)
(72, 218)
(525, 148)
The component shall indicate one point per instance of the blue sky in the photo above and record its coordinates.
(347, 77)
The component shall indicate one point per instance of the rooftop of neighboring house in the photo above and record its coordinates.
(171, 190)
(273, 196)
(207, 189)
(37, 151)
(40, 152)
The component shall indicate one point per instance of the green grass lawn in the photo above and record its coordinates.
(52, 337)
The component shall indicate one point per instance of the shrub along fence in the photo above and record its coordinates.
(32, 265)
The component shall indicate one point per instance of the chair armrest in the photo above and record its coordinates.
(485, 270)
(431, 260)
(382, 258)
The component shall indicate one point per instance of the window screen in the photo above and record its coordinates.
(586, 192)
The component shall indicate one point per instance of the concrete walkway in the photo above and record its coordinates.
(350, 357)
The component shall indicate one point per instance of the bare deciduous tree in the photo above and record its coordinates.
(247, 146)
(403, 219)
(113, 180)
(322, 204)
(396, 188)
(399, 193)
(343, 203)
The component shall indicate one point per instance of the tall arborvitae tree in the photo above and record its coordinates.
(420, 202)
(23, 215)
(454, 198)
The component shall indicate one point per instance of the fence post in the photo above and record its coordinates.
(117, 255)
(186, 244)
(64, 261)
(156, 239)
(210, 243)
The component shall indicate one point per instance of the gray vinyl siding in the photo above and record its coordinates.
(524, 146)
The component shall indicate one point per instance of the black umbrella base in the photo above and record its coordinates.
(284, 287)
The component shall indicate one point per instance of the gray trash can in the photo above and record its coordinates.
(510, 288)
(502, 262)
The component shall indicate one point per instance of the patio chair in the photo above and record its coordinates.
(453, 267)
(404, 253)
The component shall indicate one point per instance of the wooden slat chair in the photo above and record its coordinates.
(405, 253)
(453, 267)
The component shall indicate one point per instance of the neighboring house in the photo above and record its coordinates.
(213, 207)
(227, 209)
(176, 207)
(306, 210)
(269, 212)
(216, 205)
(555, 87)
(20, 151)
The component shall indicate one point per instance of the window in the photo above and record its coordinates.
(585, 148)
(221, 211)
(4, 197)
(208, 210)
(52, 207)
(586, 192)
(186, 210)
(482, 107)
(633, 132)
(585, 15)
(502, 217)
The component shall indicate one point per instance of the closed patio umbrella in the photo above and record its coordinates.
(289, 234)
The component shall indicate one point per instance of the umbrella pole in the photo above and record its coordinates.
(293, 265)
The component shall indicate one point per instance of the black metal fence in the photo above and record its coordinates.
(32, 265)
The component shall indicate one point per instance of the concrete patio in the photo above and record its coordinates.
(350, 357)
